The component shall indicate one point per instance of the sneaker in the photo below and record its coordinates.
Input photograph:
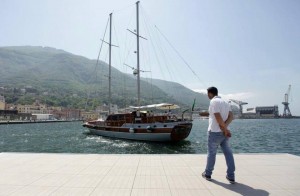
(207, 177)
(231, 181)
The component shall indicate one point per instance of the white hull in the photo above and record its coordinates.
(157, 137)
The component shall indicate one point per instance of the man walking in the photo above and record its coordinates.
(220, 116)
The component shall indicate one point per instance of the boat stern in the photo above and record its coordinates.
(181, 131)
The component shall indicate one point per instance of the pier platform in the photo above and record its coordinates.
(139, 175)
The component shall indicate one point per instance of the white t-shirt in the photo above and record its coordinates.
(217, 105)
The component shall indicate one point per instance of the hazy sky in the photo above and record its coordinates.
(250, 50)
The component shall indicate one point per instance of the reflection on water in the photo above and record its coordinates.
(266, 136)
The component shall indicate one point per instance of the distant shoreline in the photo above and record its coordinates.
(38, 121)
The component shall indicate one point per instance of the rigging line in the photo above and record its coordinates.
(169, 59)
(118, 44)
(291, 96)
(156, 34)
(103, 63)
(124, 91)
(128, 44)
(160, 48)
(167, 67)
(101, 47)
(130, 50)
(127, 52)
(164, 57)
(102, 75)
(145, 50)
(126, 38)
(121, 64)
(101, 82)
(148, 30)
(143, 60)
(151, 87)
(120, 59)
(125, 48)
(153, 46)
(147, 66)
(97, 62)
(148, 60)
(180, 56)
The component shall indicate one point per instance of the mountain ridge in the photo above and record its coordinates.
(60, 74)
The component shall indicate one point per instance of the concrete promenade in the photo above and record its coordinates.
(139, 175)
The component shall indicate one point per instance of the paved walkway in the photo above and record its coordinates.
(138, 175)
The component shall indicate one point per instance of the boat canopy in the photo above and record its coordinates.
(161, 106)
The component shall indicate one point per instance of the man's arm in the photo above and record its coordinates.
(220, 120)
(229, 119)
(223, 125)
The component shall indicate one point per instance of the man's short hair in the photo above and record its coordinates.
(213, 90)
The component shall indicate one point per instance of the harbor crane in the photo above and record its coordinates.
(240, 104)
(286, 110)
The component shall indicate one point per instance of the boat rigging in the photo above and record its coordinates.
(142, 123)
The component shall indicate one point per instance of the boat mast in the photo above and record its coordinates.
(109, 72)
(138, 53)
(138, 71)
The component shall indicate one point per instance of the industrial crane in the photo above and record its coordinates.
(240, 104)
(286, 110)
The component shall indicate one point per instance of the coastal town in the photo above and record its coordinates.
(41, 112)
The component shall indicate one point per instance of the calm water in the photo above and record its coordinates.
(249, 136)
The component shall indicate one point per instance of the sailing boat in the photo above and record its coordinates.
(142, 123)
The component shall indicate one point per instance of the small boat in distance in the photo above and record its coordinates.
(142, 123)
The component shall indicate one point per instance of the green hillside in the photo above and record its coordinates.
(181, 93)
(59, 78)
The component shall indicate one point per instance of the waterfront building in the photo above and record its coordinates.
(42, 117)
(10, 106)
(262, 112)
(33, 109)
(267, 111)
(2, 103)
(66, 114)
(9, 115)
(89, 115)
(72, 114)
(53, 108)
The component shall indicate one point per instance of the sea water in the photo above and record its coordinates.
(248, 136)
